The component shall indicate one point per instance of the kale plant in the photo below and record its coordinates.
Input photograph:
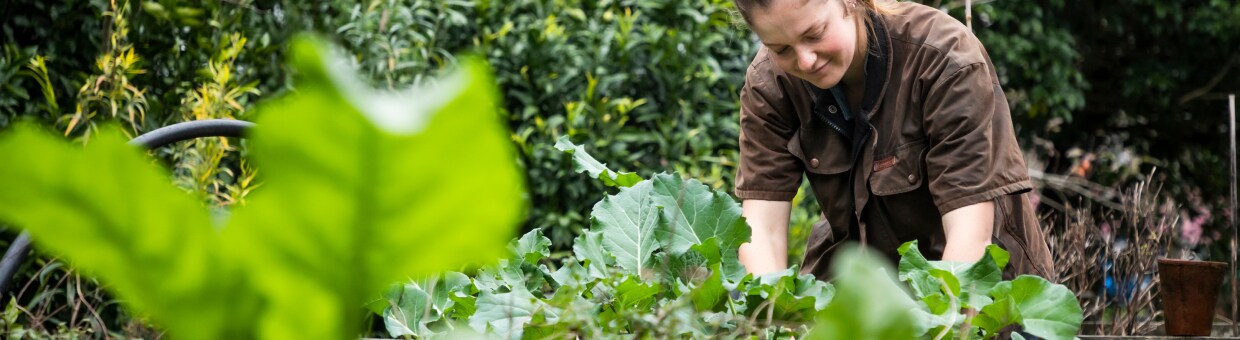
(660, 260)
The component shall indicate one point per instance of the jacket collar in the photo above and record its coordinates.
(877, 64)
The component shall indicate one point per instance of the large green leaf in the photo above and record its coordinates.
(867, 304)
(915, 269)
(364, 188)
(588, 247)
(937, 289)
(946, 287)
(941, 317)
(583, 162)
(115, 214)
(669, 213)
(449, 283)
(361, 189)
(571, 274)
(690, 267)
(505, 314)
(730, 265)
(463, 305)
(692, 216)
(509, 275)
(635, 294)
(415, 305)
(971, 281)
(1000, 256)
(629, 221)
(977, 279)
(995, 316)
(698, 214)
(409, 312)
(788, 296)
(710, 294)
(1045, 309)
(531, 247)
(570, 310)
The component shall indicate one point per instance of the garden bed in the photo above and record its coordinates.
(1222, 330)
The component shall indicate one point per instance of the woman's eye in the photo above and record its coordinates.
(783, 50)
(815, 38)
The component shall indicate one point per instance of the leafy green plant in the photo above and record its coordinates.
(659, 260)
(363, 189)
(198, 161)
(12, 93)
(37, 69)
(942, 300)
(970, 300)
(111, 91)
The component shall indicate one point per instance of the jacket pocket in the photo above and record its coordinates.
(822, 152)
(900, 171)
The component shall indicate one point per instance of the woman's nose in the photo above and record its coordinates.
(806, 59)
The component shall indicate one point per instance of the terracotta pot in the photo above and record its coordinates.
(1189, 293)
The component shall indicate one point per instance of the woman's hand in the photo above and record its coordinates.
(767, 250)
(968, 230)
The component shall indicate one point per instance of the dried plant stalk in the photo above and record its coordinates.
(1077, 249)
(1120, 241)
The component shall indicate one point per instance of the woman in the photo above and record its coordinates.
(894, 113)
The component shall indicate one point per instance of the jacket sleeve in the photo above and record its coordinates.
(767, 171)
(973, 155)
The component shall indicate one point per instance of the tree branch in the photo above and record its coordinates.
(1194, 94)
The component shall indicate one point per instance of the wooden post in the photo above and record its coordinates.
(1231, 119)
(968, 14)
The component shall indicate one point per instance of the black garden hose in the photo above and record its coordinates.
(17, 251)
(190, 130)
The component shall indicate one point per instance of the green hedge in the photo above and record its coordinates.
(650, 85)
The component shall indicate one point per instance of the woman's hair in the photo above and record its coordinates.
(745, 7)
(862, 7)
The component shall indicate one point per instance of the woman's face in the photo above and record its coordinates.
(814, 40)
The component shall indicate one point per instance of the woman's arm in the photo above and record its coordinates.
(767, 250)
(968, 230)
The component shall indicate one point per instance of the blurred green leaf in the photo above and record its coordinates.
(867, 304)
(361, 192)
(377, 190)
(150, 241)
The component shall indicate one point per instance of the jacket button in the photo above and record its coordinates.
(813, 163)
(912, 178)
(832, 109)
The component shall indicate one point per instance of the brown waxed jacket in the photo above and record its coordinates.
(933, 134)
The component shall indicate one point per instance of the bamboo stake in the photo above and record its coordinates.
(968, 14)
(1232, 206)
